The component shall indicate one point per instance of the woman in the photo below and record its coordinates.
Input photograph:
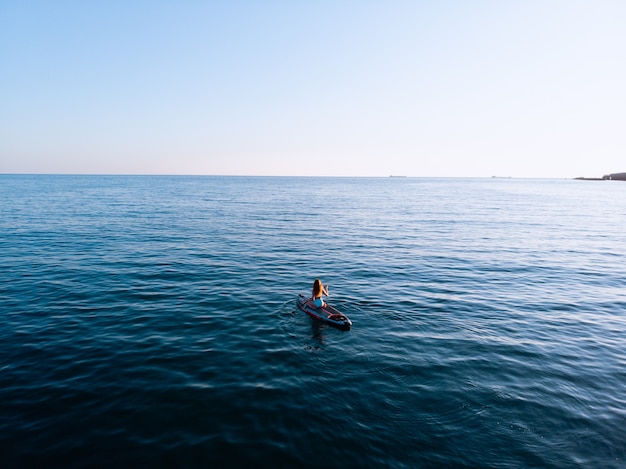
(318, 290)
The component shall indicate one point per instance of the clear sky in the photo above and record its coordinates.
(529, 88)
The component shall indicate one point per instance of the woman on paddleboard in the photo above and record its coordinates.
(318, 290)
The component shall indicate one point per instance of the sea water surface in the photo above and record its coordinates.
(152, 321)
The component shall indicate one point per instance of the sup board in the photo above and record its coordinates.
(326, 314)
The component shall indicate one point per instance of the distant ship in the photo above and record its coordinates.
(392, 176)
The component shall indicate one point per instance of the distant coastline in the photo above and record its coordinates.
(607, 177)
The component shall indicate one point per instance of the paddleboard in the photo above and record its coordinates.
(326, 314)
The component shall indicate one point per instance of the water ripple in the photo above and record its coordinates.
(152, 320)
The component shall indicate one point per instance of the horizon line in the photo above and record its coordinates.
(391, 176)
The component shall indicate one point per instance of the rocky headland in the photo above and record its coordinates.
(607, 177)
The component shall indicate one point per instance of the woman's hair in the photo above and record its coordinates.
(317, 287)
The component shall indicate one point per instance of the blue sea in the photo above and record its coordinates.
(151, 321)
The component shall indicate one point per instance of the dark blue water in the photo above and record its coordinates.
(152, 321)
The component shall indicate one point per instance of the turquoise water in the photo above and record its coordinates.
(152, 320)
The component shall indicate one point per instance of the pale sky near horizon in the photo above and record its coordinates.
(331, 88)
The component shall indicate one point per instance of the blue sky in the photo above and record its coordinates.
(331, 88)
